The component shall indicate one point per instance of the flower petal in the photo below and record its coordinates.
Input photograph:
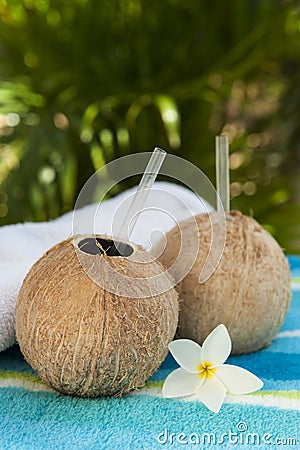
(212, 393)
(180, 383)
(238, 380)
(217, 346)
(186, 353)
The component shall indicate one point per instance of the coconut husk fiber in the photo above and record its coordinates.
(81, 337)
(249, 291)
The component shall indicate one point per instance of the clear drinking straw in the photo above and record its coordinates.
(148, 178)
(222, 173)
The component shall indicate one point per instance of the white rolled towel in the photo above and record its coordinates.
(21, 245)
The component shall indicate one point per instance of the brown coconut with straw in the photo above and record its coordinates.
(95, 315)
(249, 288)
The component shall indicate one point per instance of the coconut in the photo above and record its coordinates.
(92, 321)
(249, 291)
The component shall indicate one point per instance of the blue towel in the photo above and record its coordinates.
(32, 416)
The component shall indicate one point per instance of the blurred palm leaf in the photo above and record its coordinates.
(83, 82)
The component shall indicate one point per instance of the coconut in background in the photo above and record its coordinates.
(249, 288)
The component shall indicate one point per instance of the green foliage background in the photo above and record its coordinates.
(83, 82)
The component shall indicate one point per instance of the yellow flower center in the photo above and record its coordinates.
(206, 369)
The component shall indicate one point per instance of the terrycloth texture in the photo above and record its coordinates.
(22, 245)
(34, 417)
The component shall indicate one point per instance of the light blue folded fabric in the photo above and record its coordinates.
(34, 417)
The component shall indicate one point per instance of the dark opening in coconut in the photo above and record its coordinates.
(97, 245)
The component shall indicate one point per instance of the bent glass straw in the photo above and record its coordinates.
(140, 197)
(222, 173)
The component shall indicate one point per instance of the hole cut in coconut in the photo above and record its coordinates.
(98, 245)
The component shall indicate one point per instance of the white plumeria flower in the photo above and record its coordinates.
(203, 372)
